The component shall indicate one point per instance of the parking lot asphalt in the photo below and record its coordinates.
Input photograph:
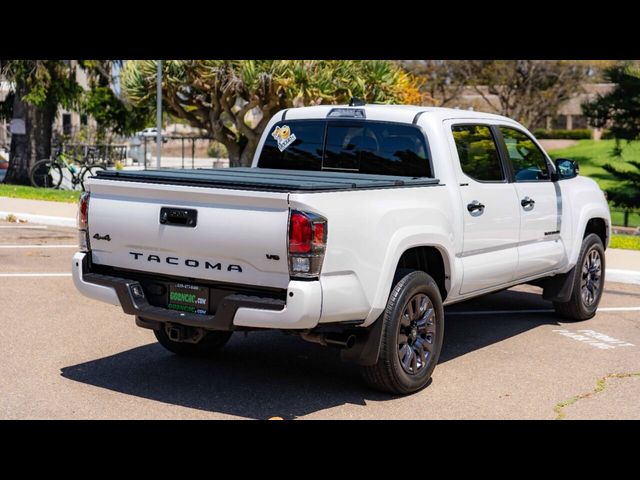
(505, 356)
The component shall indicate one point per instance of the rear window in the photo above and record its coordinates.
(377, 148)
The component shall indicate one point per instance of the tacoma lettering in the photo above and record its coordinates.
(189, 262)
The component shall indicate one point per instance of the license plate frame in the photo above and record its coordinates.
(186, 297)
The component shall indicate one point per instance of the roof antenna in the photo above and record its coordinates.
(356, 102)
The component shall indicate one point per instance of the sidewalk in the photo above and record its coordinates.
(623, 259)
(623, 266)
(40, 211)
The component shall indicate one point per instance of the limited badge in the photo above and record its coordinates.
(283, 136)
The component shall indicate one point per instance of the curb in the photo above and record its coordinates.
(622, 276)
(42, 219)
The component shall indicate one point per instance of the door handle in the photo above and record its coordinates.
(527, 203)
(475, 207)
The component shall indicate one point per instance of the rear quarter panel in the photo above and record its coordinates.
(368, 231)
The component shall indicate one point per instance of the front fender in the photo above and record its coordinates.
(587, 212)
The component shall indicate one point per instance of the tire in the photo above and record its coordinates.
(88, 172)
(45, 174)
(208, 346)
(583, 305)
(390, 374)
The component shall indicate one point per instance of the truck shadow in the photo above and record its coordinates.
(466, 333)
(270, 374)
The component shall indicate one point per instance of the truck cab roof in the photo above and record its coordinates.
(389, 113)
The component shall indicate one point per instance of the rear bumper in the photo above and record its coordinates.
(301, 310)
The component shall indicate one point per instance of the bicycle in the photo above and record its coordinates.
(49, 173)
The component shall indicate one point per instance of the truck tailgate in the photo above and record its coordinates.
(240, 236)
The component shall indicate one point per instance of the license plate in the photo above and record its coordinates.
(188, 298)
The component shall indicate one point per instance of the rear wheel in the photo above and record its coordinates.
(45, 174)
(207, 345)
(412, 333)
(588, 282)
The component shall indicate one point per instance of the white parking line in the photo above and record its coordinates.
(619, 309)
(539, 310)
(11, 275)
(623, 276)
(30, 227)
(38, 246)
(498, 312)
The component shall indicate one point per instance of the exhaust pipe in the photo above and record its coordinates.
(330, 339)
(340, 341)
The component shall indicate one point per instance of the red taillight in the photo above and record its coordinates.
(83, 211)
(319, 237)
(299, 233)
(307, 242)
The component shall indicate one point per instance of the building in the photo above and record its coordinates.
(4, 124)
(66, 122)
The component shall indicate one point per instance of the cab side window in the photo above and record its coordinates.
(529, 163)
(478, 153)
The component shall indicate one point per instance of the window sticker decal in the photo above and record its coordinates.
(284, 137)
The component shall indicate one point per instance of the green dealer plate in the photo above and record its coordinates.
(188, 298)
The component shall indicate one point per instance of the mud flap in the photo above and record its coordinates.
(559, 287)
(367, 348)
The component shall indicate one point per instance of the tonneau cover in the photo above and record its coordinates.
(267, 179)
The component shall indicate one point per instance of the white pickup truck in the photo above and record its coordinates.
(353, 227)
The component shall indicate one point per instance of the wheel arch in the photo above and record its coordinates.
(435, 246)
(592, 220)
(598, 226)
(429, 259)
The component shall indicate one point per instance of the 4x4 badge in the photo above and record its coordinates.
(100, 237)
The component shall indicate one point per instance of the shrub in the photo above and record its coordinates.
(217, 150)
(607, 135)
(577, 134)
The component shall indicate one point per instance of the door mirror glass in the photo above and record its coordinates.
(566, 168)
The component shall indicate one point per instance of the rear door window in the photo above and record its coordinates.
(478, 153)
(377, 148)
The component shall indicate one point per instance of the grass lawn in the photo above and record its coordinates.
(591, 155)
(628, 242)
(617, 218)
(20, 191)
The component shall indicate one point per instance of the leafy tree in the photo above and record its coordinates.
(234, 99)
(526, 90)
(38, 88)
(100, 101)
(444, 80)
(619, 110)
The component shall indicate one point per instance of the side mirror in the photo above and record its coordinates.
(565, 168)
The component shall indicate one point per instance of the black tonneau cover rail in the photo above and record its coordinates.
(267, 179)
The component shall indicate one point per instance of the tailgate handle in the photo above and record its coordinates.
(179, 217)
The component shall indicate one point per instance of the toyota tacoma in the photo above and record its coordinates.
(353, 227)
